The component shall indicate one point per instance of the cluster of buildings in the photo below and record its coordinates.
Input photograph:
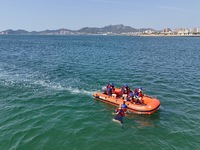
(177, 31)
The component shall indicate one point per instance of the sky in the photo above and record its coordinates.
(39, 15)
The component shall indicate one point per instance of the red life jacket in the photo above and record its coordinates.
(140, 94)
(120, 112)
(112, 89)
(108, 86)
(135, 90)
(124, 109)
(125, 90)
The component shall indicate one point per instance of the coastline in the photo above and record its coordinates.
(162, 35)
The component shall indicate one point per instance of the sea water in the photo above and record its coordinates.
(47, 82)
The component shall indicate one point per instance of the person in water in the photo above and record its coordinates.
(125, 91)
(110, 89)
(124, 106)
(119, 115)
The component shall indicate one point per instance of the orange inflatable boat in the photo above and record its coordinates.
(150, 104)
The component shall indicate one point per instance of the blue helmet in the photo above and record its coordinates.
(140, 88)
(111, 84)
(126, 85)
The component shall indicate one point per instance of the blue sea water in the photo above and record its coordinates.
(47, 82)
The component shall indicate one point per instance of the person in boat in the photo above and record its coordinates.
(131, 97)
(119, 115)
(125, 91)
(110, 89)
(138, 94)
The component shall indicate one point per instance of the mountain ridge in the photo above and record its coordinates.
(109, 29)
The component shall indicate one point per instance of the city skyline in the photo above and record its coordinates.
(41, 15)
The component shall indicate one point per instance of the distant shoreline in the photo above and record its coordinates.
(162, 35)
(141, 35)
(113, 30)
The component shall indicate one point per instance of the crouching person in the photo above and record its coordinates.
(110, 90)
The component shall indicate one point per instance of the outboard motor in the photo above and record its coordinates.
(104, 89)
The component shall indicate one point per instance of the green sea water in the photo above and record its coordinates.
(47, 82)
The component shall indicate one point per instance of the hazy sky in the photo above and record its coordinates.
(37, 15)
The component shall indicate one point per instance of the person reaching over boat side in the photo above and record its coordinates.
(125, 91)
(110, 89)
(119, 115)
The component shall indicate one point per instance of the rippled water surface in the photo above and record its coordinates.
(46, 86)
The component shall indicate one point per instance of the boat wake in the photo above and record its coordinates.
(39, 82)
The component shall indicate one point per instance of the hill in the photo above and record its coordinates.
(110, 29)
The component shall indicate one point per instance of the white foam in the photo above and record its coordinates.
(48, 84)
(28, 79)
(79, 91)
